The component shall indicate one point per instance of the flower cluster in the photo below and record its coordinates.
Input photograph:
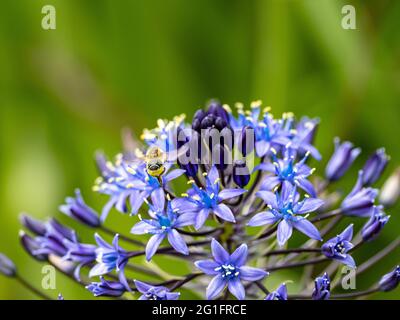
(250, 188)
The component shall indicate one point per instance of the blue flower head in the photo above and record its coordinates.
(228, 270)
(322, 287)
(203, 201)
(285, 209)
(338, 247)
(287, 169)
(109, 258)
(163, 224)
(130, 182)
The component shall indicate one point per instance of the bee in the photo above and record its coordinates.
(155, 159)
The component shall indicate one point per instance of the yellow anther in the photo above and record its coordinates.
(227, 108)
(190, 181)
(184, 195)
(217, 180)
(168, 197)
(273, 150)
(239, 105)
(256, 104)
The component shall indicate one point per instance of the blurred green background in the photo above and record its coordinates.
(66, 93)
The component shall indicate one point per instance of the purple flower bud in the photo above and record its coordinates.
(7, 267)
(60, 297)
(322, 288)
(241, 174)
(106, 288)
(375, 166)
(199, 115)
(220, 123)
(77, 209)
(33, 225)
(390, 281)
(343, 157)
(360, 201)
(390, 192)
(375, 224)
(216, 109)
(279, 294)
(31, 246)
(150, 292)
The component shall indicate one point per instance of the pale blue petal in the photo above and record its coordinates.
(252, 274)
(207, 266)
(219, 253)
(239, 256)
(215, 287)
(177, 242)
(158, 199)
(153, 245)
(230, 193)
(223, 211)
(309, 205)
(284, 232)
(236, 288)
(306, 227)
(268, 197)
(201, 217)
(262, 218)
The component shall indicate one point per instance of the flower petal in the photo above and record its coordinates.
(306, 227)
(284, 232)
(215, 287)
(347, 234)
(309, 205)
(207, 266)
(270, 183)
(173, 175)
(141, 286)
(268, 197)
(262, 218)
(307, 186)
(223, 211)
(213, 174)
(201, 217)
(236, 288)
(177, 242)
(158, 199)
(219, 253)
(185, 219)
(239, 256)
(348, 260)
(140, 228)
(252, 274)
(262, 147)
(153, 245)
(230, 193)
